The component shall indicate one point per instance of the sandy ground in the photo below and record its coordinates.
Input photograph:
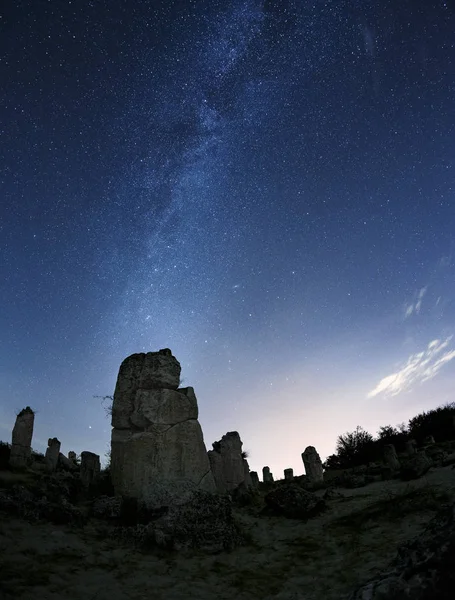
(322, 559)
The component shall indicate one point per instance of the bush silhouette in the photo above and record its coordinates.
(438, 422)
(360, 447)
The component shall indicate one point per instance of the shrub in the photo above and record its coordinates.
(438, 422)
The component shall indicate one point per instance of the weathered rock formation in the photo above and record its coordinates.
(158, 453)
(289, 474)
(72, 455)
(436, 454)
(66, 464)
(416, 466)
(228, 466)
(90, 468)
(52, 454)
(313, 465)
(247, 474)
(390, 457)
(267, 477)
(254, 478)
(21, 449)
(411, 447)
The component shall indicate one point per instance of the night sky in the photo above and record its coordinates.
(265, 187)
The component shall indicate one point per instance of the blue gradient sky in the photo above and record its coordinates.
(266, 188)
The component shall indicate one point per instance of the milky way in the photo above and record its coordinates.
(267, 188)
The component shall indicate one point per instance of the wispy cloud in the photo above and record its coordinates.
(415, 306)
(419, 367)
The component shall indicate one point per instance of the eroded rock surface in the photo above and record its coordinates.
(267, 476)
(289, 474)
(228, 466)
(416, 466)
(52, 454)
(390, 457)
(90, 468)
(313, 465)
(158, 453)
(21, 450)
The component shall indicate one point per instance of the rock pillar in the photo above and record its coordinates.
(90, 468)
(21, 447)
(411, 447)
(267, 477)
(254, 478)
(289, 474)
(390, 457)
(158, 453)
(313, 465)
(228, 466)
(52, 454)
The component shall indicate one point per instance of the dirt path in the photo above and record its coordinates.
(322, 559)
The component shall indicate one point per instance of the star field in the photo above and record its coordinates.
(264, 187)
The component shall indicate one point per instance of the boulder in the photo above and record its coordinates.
(411, 447)
(436, 454)
(293, 502)
(415, 466)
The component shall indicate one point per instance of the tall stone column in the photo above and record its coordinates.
(254, 479)
(21, 447)
(390, 457)
(267, 476)
(289, 474)
(411, 447)
(52, 454)
(313, 465)
(158, 453)
(228, 466)
(90, 468)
